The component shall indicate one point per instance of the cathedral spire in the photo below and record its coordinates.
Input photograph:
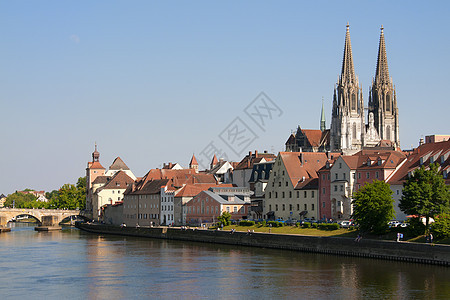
(382, 72)
(322, 119)
(348, 70)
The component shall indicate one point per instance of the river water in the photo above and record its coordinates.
(72, 264)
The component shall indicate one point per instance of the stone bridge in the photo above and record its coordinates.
(7, 214)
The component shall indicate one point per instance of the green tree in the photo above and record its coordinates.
(441, 226)
(20, 200)
(70, 196)
(373, 207)
(425, 194)
(225, 218)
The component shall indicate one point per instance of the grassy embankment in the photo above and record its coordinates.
(349, 233)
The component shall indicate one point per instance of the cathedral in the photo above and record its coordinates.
(349, 131)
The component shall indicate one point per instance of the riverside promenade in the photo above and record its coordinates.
(388, 250)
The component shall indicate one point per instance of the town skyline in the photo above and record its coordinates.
(160, 84)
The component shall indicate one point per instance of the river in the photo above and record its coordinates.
(72, 264)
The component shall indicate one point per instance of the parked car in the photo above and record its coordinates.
(394, 223)
(345, 224)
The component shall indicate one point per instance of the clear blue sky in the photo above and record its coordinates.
(154, 82)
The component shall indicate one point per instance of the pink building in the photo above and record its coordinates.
(208, 205)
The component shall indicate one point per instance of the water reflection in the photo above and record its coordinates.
(83, 265)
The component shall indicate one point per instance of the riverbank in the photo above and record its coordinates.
(389, 250)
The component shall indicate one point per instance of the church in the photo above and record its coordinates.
(349, 132)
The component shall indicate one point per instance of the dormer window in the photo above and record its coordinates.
(379, 161)
(369, 161)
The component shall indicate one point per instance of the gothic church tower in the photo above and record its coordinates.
(347, 118)
(383, 100)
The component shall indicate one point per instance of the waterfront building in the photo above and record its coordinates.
(185, 194)
(424, 155)
(291, 192)
(244, 169)
(222, 171)
(341, 178)
(142, 200)
(97, 177)
(208, 205)
(93, 170)
(108, 190)
(258, 182)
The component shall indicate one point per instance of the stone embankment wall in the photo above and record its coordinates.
(390, 250)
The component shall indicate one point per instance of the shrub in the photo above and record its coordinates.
(415, 227)
(275, 224)
(306, 225)
(246, 223)
(441, 226)
(264, 223)
(314, 225)
(328, 226)
(297, 224)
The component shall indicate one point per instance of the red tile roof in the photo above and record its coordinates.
(193, 161)
(252, 158)
(95, 165)
(430, 152)
(303, 166)
(118, 164)
(119, 180)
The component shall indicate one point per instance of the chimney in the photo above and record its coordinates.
(249, 153)
(265, 151)
(421, 142)
(256, 153)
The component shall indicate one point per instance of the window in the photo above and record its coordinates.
(306, 206)
(290, 194)
(359, 175)
(388, 103)
(276, 194)
(290, 207)
(323, 204)
(279, 183)
(282, 194)
(228, 209)
(312, 194)
(273, 184)
(323, 176)
(367, 175)
(340, 166)
(312, 206)
(276, 207)
(335, 188)
(353, 102)
(284, 207)
(235, 209)
(217, 209)
(270, 195)
(342, 188)
(328, 176)
(270, 207)
(376, 174)
(283, 172)
(323, 191)
(305, 194)
(336, 176)
(343, 176)
(298, 206)
(298, 194)
(286, 183)
(388, 132)
(207, 209)
(354, 130)
(398, 192)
